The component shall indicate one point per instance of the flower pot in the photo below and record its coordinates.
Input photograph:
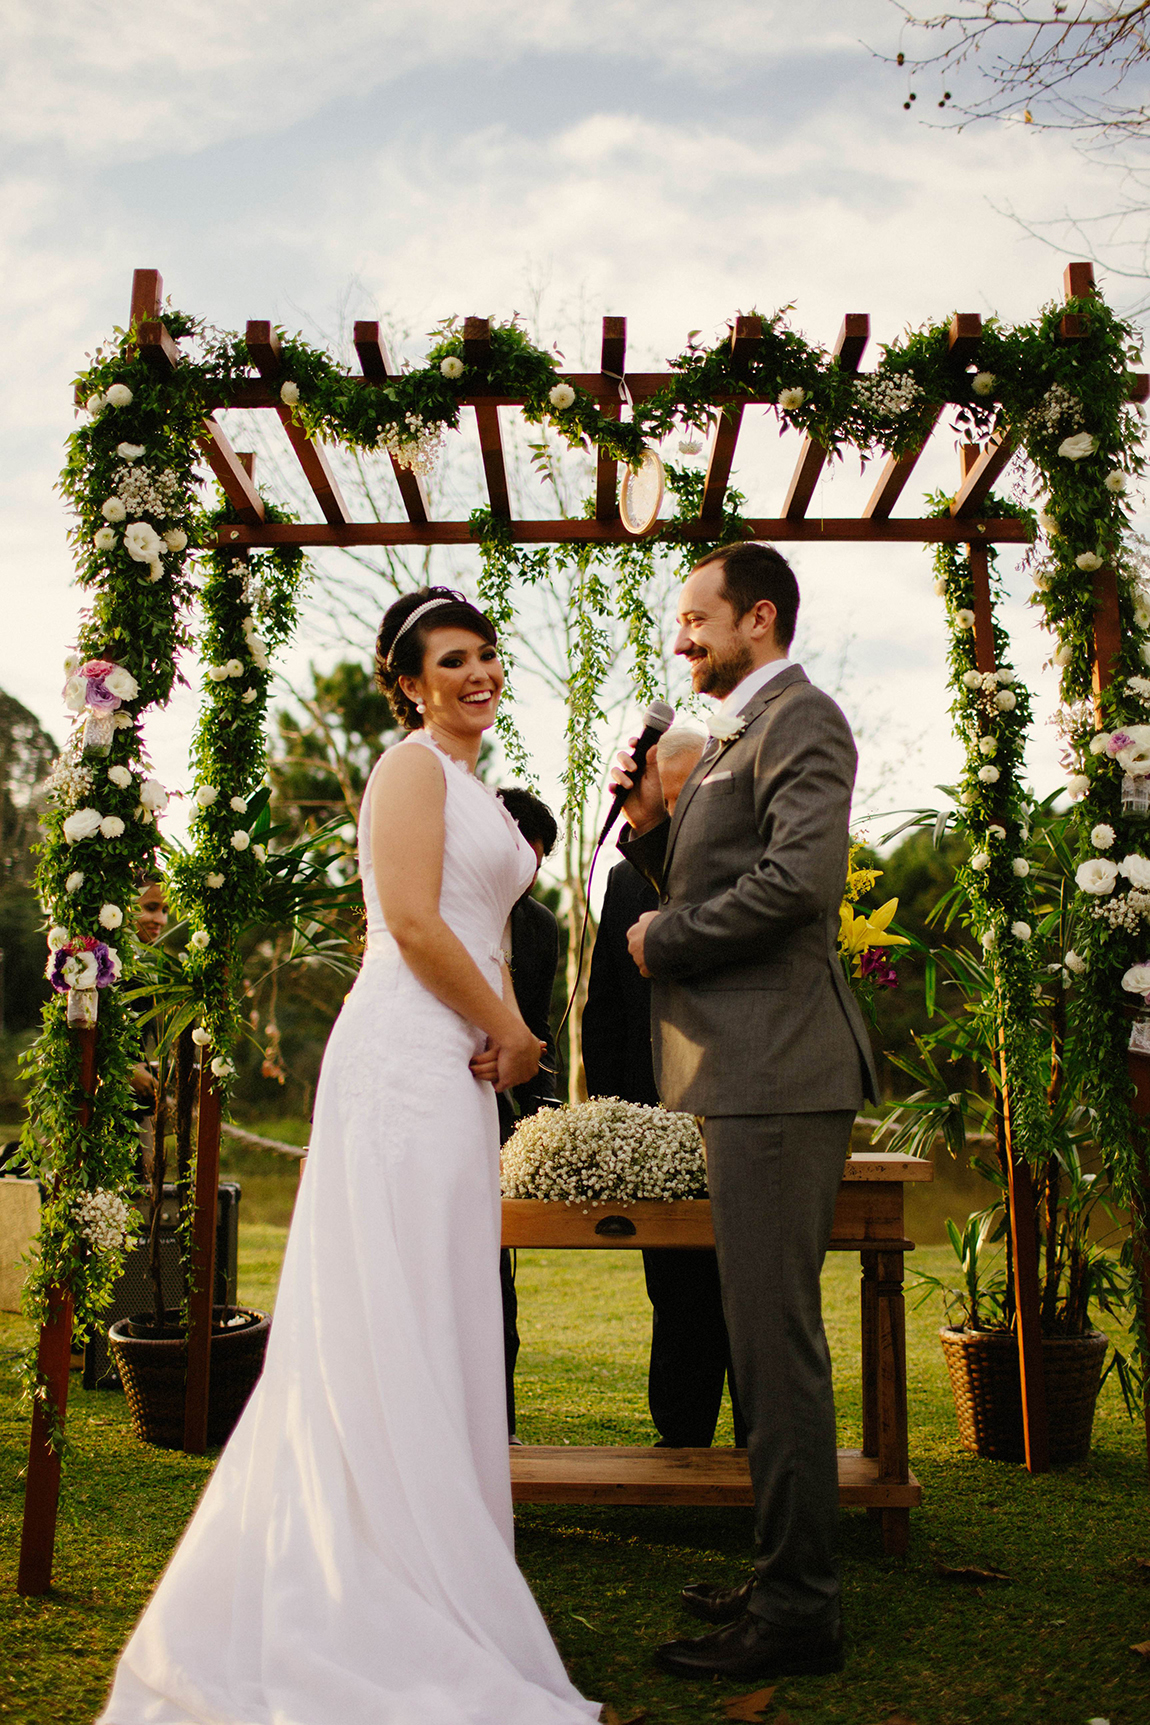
(153, 1370)
(985, 1381)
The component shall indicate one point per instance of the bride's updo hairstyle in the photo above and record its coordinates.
(402, 640)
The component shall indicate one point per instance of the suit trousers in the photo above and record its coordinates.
(689, 1359)
(774, 1180)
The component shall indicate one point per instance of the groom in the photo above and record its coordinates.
(755, 1029)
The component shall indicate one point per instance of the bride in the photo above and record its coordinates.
(351, 1561)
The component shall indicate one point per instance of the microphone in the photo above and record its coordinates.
(659, 717)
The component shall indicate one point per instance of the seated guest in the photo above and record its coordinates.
(688, 1335)
(534, 940)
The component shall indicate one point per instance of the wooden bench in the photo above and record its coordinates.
(868, 1220)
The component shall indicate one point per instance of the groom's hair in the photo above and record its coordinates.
(753, 571)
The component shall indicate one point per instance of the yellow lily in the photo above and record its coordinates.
(858, 932)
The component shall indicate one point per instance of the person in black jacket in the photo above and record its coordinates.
(534, 961)
(689, 1359)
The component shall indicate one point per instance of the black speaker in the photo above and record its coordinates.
(133, 1290)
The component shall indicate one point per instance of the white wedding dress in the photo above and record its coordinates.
(351, 1561)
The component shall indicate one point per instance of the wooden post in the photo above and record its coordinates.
(1020, 1183)
(202, 1269)
(53, 1363)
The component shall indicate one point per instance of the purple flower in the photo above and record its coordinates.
(1119, 741)
(105, 969)
(55, 970)
(100, 697)
(877, 968)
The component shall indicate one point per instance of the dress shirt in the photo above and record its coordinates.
(751, 684)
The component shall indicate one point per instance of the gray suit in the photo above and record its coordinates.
(755, 1028)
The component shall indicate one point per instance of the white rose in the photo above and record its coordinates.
(111, 916)
(1077, 786)
(1021, 930)
(142, 542)
(1041, 579)
(260, 853)
(111, 826)
(201, 1038)
(119, 395)
(1137, 871)
(1074, 963)
(972, 679)
(996, 832)
(1021, 867)
(58, 936)
(1100, 742)
(289, 393)
(1116, 482)
(200, 939)
(1048, 524)
(74, 881)
(1077, 447)
(1140, 686)
(113, 510)
(241, 840)
(984, 382)
(222, 1068)
(82, 825)
(989, 775)
(1102, 836)
(153, 796)
(1063, 655)
(213, 880)
(964, 619)
(238, 805)
(789, 399)
(175, 539)
(104, 539)
(249, 695)
(1006, 677)
(1006, 700)
(257, 648)
(76, 694)
(234, 668)
(94, 403)
(80, 970)
(1137, 979)
(451, 366)
(1097, 875)
(939, 586)
(980, 861)
(129, 451)
(1144, 652)
(561, 396)
(206, 795)
(122, 684)
(1088, 562)
(72, 663)
(120, 776)
(988, 746)
(217, 673)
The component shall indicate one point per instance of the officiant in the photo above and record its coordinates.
(689, 1355)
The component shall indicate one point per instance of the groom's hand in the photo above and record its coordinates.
(636, 939)
(645, 807)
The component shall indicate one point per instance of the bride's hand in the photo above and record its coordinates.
(485, 1066)
(517, 1059)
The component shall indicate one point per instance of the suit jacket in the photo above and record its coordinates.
(751, 1012)
(534, 961)
(617, 1017)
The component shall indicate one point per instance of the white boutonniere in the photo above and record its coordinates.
(725, 727)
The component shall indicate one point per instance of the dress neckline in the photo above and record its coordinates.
(429, 742)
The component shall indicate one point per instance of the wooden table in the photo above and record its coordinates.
(868, 1220)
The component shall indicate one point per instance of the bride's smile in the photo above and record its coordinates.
(459, 686)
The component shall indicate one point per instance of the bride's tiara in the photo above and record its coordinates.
(421, 610)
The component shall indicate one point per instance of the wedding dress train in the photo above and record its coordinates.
(351, 1561)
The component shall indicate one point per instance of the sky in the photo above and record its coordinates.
(657, 158)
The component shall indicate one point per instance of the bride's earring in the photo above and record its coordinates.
(419, 707)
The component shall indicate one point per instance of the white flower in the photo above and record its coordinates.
(76, 694)
(988, 746)
(106, 1221)
(58, 936)
(289, 393)
(260, 853)
(256, 646)
(153, 796)
(238, 805)
(249, 695)
(1116, 482)
(200, 939)
(142, 542)
(1077, 447)
(206, 795)
(201, 1037)
(1048, 524)
(122, 684)
(990, 681)
(1135, 759)
(72, 663)
(111, 916)
(983, 383)
(74, 881)
(989, 775)
(1100, 742)
(940, 586)
(104, 539)
(129, 451)
(1097, 875)
(791, 398)
(222, 1068)
(1102, 836)
(175, 539)
(1144, 649)
(451, 366)
(1077, 786)
(1006, 677)
(1140, 686)
(1088, 562)
(1137, 979)
(234, 668)
(1021, 930)
(213, 880)
(972, 679)
(692, 446)
(1021, 867)
(980, 861)
(218, 673)
(561, 396)
(80, 970)
(1074, 963)
(94, 403)
(996, 832)
(122, 721)
(1137, 871)
(120, 776)
(724, 726)
(113, 510)
(988, 938)
(241, 840)
(155, 571)
(1006, 700)
(1063, 655)
(111, 826)
(82, 825)
(1041, 579)
(964, 619)
(119, 395)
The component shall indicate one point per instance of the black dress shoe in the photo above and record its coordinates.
(716, 1604)
(752, 1647)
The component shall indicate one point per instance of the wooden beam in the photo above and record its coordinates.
(849, 345)
(263, 345)
(613, 360)
(981, 467)
(965, 335)
(377, 366)
(476, 349)
(202, 1276)
(745, 337)
(147, 296)
(156, 347)
(233, 476)
(1077, 283)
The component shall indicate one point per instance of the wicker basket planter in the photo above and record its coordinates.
(984, 1377)
(153, 1368)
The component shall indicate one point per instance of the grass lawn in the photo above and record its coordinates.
(1049, 1647)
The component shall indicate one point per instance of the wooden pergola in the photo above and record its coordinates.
(612, 386)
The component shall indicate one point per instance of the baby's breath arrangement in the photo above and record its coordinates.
(605, 1151)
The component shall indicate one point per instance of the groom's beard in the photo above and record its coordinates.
(716, 673)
